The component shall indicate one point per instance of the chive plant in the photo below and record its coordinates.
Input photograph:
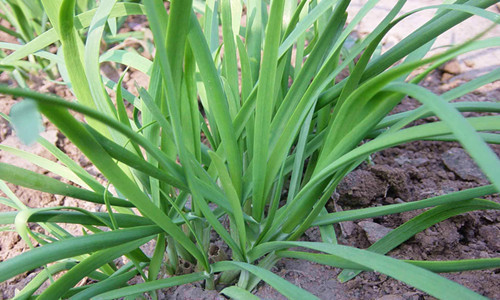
(247, 137)
(24, 20)
(27, 19)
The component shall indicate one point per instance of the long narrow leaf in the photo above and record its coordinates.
(71, 247)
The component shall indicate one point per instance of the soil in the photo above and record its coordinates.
(411, 172)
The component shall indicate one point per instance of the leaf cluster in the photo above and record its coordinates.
(246, 135)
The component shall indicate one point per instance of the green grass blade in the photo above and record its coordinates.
(193, 120)
(458, 265)
(40, 278)
(217, 102)
(233, 198)
(415, 40)
(420, 223)
(210, 26)
(433, 266)
(486, 159)
(235, 292)
(298, 164)
(72, 165)
(45, 216)
(12, 201)
(422, 279)
(382, 142)
(10, 32)
(125, 156)
(8, 202)
(108, 284)
(281, 285)
(84, 141)
(175, 41)
(157, 258)
(230, 64)
(127, 58)
(428, 31)
(273, 206)
(300, 98)
(405, 117)
(151, 286)
(72, 57)
(71, 247)
(305, 24)
(120, 104)
(32, 180)
(347, 112)
(43, 54)
(318, 207)
(81, 21)
(370, 212)
(161, 120)
(139, 139)
(91, 61)
(448, 96)
(22, 24)
(91, 263)
(185, 158)
(253, 35)
(46, 164)
(264, 108)
(490, 138)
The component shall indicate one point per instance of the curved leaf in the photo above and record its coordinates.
(151, 286)
(71, 247)
(422, 279)
(281, 285)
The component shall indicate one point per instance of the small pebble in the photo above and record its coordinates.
(460, 163)
(374, 231)
(452, 67)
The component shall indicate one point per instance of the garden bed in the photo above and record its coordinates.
(415, 171)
